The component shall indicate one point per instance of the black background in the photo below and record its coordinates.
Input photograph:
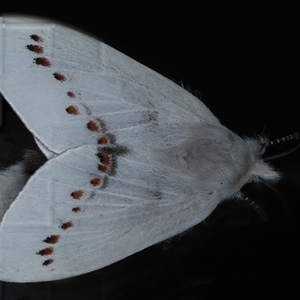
(244, 58)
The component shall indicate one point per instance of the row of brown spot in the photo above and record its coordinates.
(105, 160)
(45, 62)
(53, 239)
(106, 155)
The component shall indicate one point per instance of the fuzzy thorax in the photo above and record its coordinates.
(215, 159)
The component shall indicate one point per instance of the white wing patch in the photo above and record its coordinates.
(87, 84)
(79, 211)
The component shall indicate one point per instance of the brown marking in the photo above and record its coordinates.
(96, 181)
(35, 48)
(46, 251)
(105, 158)
(42, 61)
(77, 195)
(76, 209)
(103, 140)
(107, 139)
(71, 94)
(52, 239)
(67, 225)
(48, 262)
(108, 161)
(103, 168)
(59, 76)
(210, 193)
(72, 110)
(93, 126)
(36, 38)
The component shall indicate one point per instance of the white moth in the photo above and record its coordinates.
(133, 158)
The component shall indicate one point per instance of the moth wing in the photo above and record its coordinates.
(72, 218)
(105, 195)
(69, 89)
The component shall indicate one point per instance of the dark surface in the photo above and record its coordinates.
(244, 58)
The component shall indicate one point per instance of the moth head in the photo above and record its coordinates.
(257, 168)
(247, 165)
(260, 170)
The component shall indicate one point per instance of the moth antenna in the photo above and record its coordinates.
(258, 209)
(290, 137)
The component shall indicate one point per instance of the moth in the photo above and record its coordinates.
(132, 158)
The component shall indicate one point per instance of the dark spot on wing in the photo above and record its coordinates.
(107, 139)
(35, 48)
(93, 126)
(96, 181)
(71, 94)
(42, 61)
(48, 262)
(52, 239)
(153, 116)
(36, 38)
(46, 251)
(67, 225)
(72, 110)
(76, 209)
(77, 194)
(59, 77)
